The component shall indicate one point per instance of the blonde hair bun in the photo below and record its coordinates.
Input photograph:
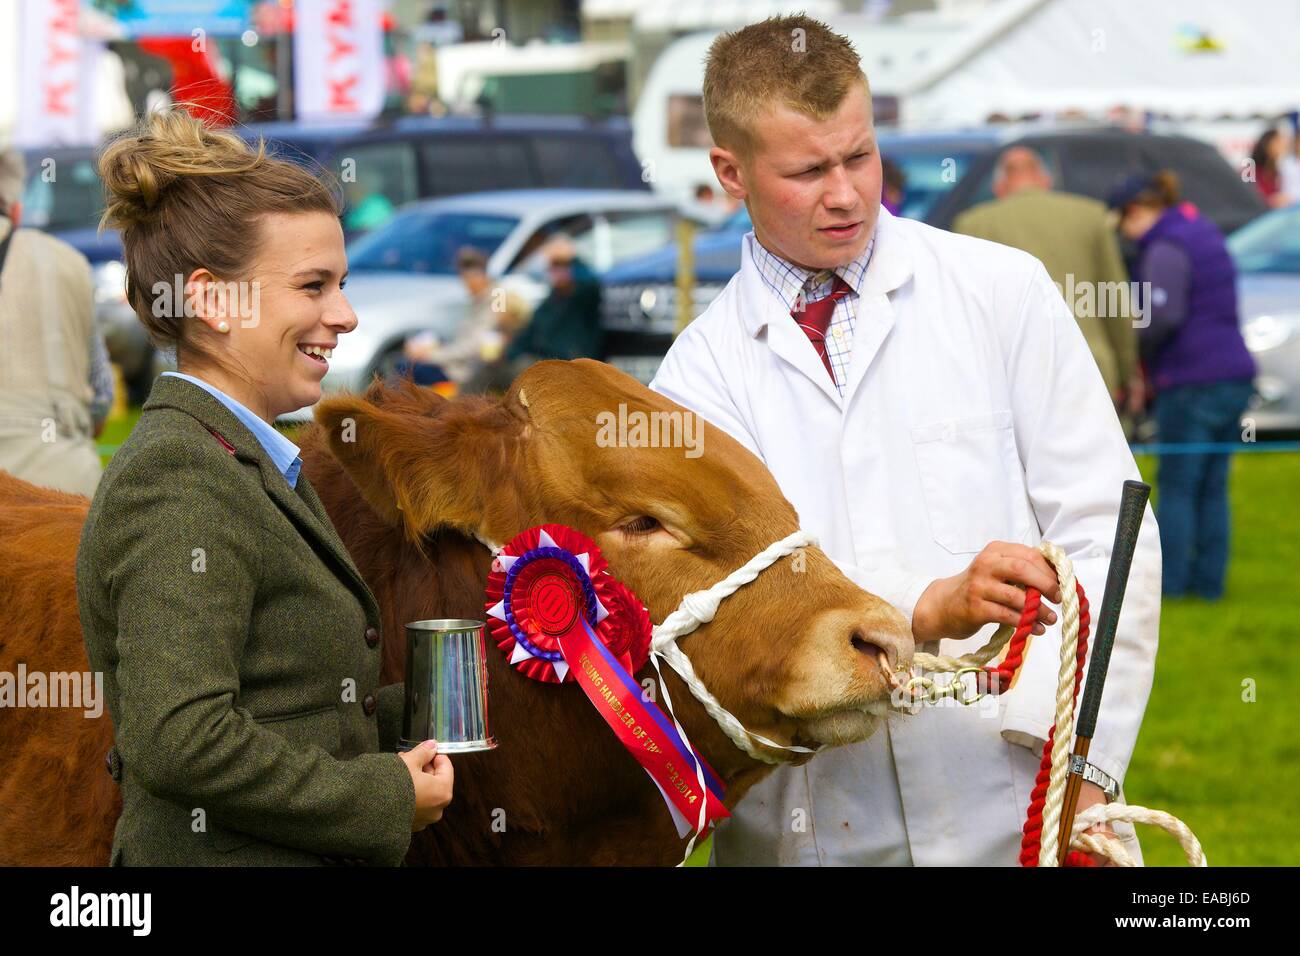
(186, 196)
(139, 168)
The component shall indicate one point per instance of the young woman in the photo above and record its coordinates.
(1200, 370)
(239, 644)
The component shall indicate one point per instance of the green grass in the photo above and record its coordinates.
(1228, 768)
(115, 431)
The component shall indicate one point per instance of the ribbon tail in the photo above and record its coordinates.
(679, 821)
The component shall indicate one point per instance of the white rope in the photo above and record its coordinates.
(1101, 844)
(1112, 848)
(699, 607)
(1065, 677)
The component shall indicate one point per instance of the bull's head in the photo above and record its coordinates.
(795, 655)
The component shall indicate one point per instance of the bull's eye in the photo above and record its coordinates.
(641, 525)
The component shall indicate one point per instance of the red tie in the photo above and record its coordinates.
(815, 319)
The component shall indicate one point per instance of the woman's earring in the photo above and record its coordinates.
(223, 326)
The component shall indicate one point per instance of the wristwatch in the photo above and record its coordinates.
(1096, 776)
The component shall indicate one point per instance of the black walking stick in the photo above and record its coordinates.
(1132, 506)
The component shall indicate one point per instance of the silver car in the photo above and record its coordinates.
(402, 276)
(1267, 254)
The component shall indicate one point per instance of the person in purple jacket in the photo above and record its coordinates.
(1199, 369)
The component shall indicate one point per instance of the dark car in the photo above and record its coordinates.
(945, 175)
(379, 167)
(384, 166)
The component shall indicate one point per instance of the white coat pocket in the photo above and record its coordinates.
(965, 466)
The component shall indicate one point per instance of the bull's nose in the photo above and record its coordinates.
(877, 633)
(884, 633)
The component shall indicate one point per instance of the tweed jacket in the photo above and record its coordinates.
(1071, 236)
(240, 650)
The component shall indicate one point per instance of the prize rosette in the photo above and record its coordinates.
(560, 616)
(540, 584)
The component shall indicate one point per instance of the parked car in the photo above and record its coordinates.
(1267, 253)
(418, 157)
(402, 276)
(946, 173)
(379, 166)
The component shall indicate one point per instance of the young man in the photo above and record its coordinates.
(932, 419)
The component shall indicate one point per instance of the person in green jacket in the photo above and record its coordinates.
(240, 646)
(1073, 237)
(565, 325)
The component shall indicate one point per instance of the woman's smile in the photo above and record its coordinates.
(318, 354)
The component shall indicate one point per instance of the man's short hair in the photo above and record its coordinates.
(13, 176)
(794, 61)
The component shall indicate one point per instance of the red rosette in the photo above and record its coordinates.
(627, 630)
(545, 596)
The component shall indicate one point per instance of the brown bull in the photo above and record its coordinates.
(793, 655)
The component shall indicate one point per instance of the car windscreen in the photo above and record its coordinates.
(1270, 243)
(62, 193)
(928, 175)
(427, 242)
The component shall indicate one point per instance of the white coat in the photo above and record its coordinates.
(973, 412)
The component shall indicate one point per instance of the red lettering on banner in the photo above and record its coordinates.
(340, 23)
(340, 98)
(65, 16)
(57, 55)
(57, 98)
(339, 18)
(62, 24)
(341, 13)
(340, 47)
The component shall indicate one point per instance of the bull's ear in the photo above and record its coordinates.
(422, 461)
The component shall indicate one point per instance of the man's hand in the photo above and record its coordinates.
(1090, 794)
(989, 591)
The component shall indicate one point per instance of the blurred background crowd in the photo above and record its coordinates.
(528, 179)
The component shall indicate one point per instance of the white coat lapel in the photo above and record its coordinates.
(891, 267)
(874, 323)
(761, 308)
(790, 343)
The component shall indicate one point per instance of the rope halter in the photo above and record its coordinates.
(699, 607)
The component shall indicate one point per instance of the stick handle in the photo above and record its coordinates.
(1132, 506)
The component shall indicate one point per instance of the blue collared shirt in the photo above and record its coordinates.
(284, 453)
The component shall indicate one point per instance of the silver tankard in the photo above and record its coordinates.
(446, 687)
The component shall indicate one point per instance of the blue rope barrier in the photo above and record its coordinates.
(1213, 448)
